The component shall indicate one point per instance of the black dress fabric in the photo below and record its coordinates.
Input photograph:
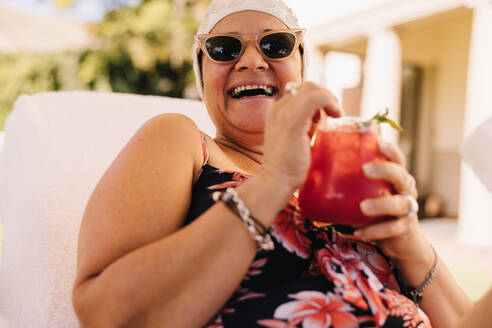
(317, 276)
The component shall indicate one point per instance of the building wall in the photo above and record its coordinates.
(440, 46)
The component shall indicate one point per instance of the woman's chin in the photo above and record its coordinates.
(250, 106)
(250, 126)
(253, 101)
(248, 114)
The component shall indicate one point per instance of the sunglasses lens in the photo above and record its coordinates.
(278, 45)
(223, 48)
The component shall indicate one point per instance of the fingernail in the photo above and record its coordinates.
(358, 233)
(383, 147)
(366, 207)
(369, 169)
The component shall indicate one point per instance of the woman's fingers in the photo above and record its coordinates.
(394, 173)
(395, 205)
(290, 123)
(392, 235)
(309, 98)
(315, 122)
(318, 97)
(392, 152)
(387, 229)
(295, 112)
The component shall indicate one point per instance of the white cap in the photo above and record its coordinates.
(219, 9)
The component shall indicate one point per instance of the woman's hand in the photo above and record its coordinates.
(401, 238)
(402, 241)
(287, 153)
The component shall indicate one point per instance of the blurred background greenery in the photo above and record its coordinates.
(143, 49)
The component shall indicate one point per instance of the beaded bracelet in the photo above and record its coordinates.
(415, 293)
(256, 229)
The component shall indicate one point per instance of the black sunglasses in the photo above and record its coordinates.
(228, 47)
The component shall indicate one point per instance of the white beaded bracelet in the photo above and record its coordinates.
(258, 231)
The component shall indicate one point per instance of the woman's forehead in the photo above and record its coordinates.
(247, 22)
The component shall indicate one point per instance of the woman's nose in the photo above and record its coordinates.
(251, 59)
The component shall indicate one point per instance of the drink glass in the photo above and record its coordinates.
(336, 184)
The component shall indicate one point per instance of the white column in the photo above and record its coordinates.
(342, 71)
(475, 215)
(315, 64)
(382, 79)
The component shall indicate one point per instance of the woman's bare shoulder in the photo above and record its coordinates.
(173, 134)
(144, 195)
(171, 123)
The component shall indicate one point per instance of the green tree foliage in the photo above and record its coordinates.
(31, 73)
(144, 49)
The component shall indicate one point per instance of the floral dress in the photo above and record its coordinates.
(315, 277)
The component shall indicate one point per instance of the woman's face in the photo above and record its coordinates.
(246, 114)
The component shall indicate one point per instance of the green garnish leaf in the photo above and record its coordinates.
(383, 118)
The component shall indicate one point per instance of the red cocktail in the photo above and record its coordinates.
(336, 184)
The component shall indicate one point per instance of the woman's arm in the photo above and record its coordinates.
(403, 241)
(135, 266)
(480, 316)
(443, 300)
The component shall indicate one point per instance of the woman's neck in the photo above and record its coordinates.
(249, 157)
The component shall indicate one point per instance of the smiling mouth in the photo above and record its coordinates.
(252, 91)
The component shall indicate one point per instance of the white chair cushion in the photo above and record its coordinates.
(56, 148)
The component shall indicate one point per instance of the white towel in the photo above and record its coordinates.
(477, 152)
(57, 146)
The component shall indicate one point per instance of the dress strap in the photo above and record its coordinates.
(204, 148)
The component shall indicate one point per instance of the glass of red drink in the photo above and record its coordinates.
(336, 184)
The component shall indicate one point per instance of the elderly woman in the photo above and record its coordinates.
(156, 250)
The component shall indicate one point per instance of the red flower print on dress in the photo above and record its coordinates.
(400, 306)
(237, 179)
(367, 282)
(378, 265)
(242, 294)
(249, 295)
(273, 323)
(288, 229)
(344, 284)
(254, 268)
(356, 282)
(316, 310)
(217, 322)
(369, 285)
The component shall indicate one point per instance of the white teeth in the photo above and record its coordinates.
(240, 89)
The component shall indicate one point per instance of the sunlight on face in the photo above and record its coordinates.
(252, 68)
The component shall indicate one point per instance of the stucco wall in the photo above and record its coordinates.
(440, 45)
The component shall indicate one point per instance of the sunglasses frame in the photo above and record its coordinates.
(201, 39)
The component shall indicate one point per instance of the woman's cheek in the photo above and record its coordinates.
(288, 71)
